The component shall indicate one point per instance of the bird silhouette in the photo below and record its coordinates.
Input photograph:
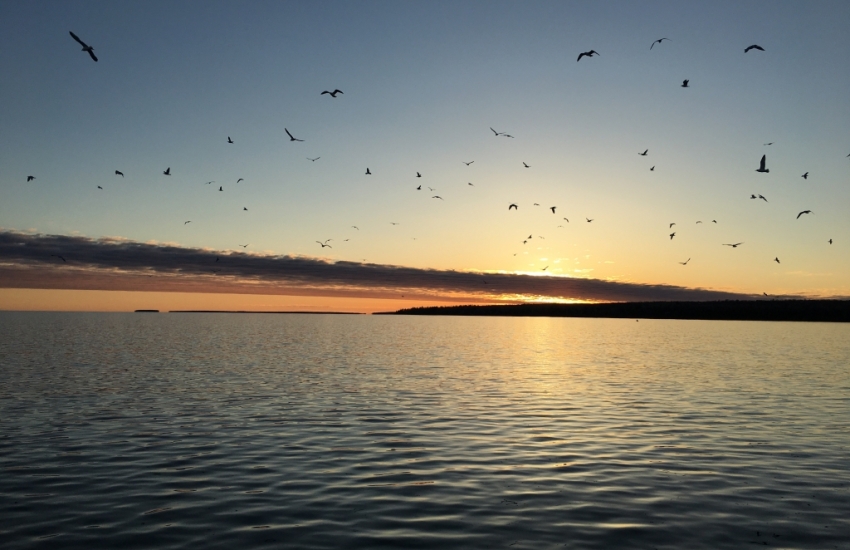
(355, 227)
(431, 189)
(394, 223)
(644, 153)
(685, 262)
(588, 220)
(753, 47)
(515, 207)
(209, 182)
(418, 175)
(244, 245)
(698, 221)
(368, 173)
(470, 183)
(99, 187)
(291, 137)
(437, 197)
(86, 47)
(591, 53)
(830, 241)
(244, 209)
(419, 188)
(229, 140)
(805, 176)
(527, 166)
(776, 259)
(495, 132)
(467, 163)
(332, 94)
(119, 173)
(766, 144)
(314, 160)
(672, 224)
(685, 83)
(220, 189)
(30, 178)
(761, 167)
(657, 42)
(58, 256)
(545, 268)
(652, 169)
(673, 234)
(324, 244)
(803, 212)
(568, 221)
(190, 221)
(167, 171)
(552, 208)
(713, 221)
(736, 245)
(762, 198)
(240, 179)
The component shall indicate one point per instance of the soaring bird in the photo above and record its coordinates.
(470, 183)
(220, 189)
(652, 169)
(190, 221)
(588, 220)
(673, 234)
(244, 245)
(762, 198)
(419, 188)
(240, 179)
(394, 223)
(672, 224)
(315, 159)
(803, 212)
(467, 163)
(527, 166)
(657, 42)
(324, 244)
(245, 208)
(209, 182)
(495, 132)
(514, 206)
(291, 137)
(119, 173)
(644, 153)
(368, 173)
(418, 175)
(685, 83)
(498, 134)
(99, 187)
(30, 178)
(332, 94)
(685, 262)
(58, 256)
(776, 259)
(355, 227)
(830, 241)
(713, 221)
(229, 140)
(761, 167)
(552, 208)
(437, 197)
(753, 47)
(736, 245)
(167, 171)
(805, 176)
(86, 47)
(568, 221)
(431, 189)
(591, 53)
(545, 268)
(766, 144)
(698, 221)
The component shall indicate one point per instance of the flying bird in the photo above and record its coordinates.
(545, 268)
(685, 83)
(58, 256)
(99, 187)
(418, 175)
(552, 208)
(673, 234)
(762, 198)
(244, 245)
(332, 94)
(315, 159)
(698, 221)
(437, 197)
(229, 140)
(803, 212)
(805, 176)
(190, 221)
(244, 208)
(736, 245)
(291, 137)
(220, 189)
(240, 179)
(86, 47)
(515, 207)
(761, 167)
(419, 188)
(167, 171)
(394, 223)
(568, 221)
(467, 163)
(355, 227)
(753, 47)
(776, 259)
(685, 262)
(470, 183)
(766, 144)
(657, 42)
(209, 182)
(830, 241)
(591, 53)
(652, 169)
(588, 220)
(30, 178)
(119, 173)
(527, 166)
(368, 173)
(324, 244)
(644, 153)
(672, 224)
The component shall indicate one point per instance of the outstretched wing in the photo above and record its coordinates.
(287, 133)
(77, 38)
(93, 56)
(763, 161)
(338, 92)
(582, 54)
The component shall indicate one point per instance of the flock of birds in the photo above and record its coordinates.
(512, 206)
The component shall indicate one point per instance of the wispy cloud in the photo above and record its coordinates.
(32, 261)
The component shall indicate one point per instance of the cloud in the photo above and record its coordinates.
(31, 261)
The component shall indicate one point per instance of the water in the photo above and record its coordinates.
(295, 431)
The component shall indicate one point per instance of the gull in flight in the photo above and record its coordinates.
(657, 42)
(552, 208)
(244, 245)
(527, 166)
(672, 224)
(766, 144)
(240, 179)
(568, 221)
(761, 167)
(776, 259)
(418, 175)
(355, 227)
(805, 176)
(394, 223)
(315, 159)
(419, 188)
(324, 244)
(229, 140)
(167, 171)
(291, 137)
(119, 173)
(437, 197)
(470, 183)
(30, 178)
(209, 182)
(673, 234)
(803, 212)
(86, 47)
(736, 245)
(58, 256)
(652, 169)
(830, 241)
(685, 83)
(99, 187)
(332, 94)
(514, 206)
(588, 220)
(685, 262)
(244, 208)
(220, 188)
(368, 173)
(758, 197)
(644, 153)
(468, 163)
(498, 134)
(591, 53)
(190, 221)
(753, 47)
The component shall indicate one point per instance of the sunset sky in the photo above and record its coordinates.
(422, 84)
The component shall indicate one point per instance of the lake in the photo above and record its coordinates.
(339, 431)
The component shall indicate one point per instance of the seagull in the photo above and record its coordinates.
(332, 94)
(419, 188)
(99, 187)
(713, 221)
(545, 268)
(568, 221)
(324, 244)
(368, 173)
(244, 208)
(431, 189)
(437, 197)
(652, 169)
(657, 42)
(762, 198)
(291, 137)
(830, 241)
(58, 256)
(355, 227)
(190, 221)
(805, 176)
(515, 207)
(470, 183)
(698, 221)
(736, 245)
(209, 182)
(467, 163)
(753, 47)
(315, 159)
(30, 178)
(761, 167)
(552, 208)
(685, 83)
(673, 234)
(766, 144)
(588, 220)
(536, 204)
(685, 262)
(644, 153)
(244, 245)
(591, 53)
(527, 166)
(119, 173)
(418, 175)
(672, 224)
(86, 47)
(803, 212)
(167, 171)
(240, 179)
(229, 140)
(220, 189)
(776, 259)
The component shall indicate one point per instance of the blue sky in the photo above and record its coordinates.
(423, 82)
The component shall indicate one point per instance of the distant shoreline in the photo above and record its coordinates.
(825, 311)
(267, 312)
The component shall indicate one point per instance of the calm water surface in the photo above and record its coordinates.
(296, 431)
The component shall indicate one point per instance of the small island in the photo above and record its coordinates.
(147, 311)
(825, 311)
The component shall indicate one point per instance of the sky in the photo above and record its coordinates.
(423, 84)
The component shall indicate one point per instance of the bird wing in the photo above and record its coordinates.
(763, 161)
(494, 131)
(287, 133)
(338, 92)
(325, 92)
(582, 54)
(654, 43)
(93, 56)
(77, 38)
